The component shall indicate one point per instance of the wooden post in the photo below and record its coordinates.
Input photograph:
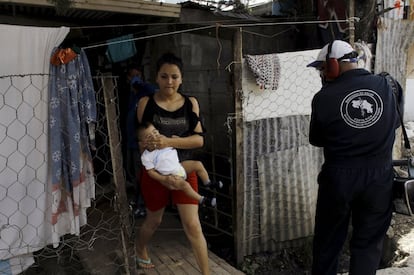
(411, 10)
(121, 202)
(351, 22)
(238, 158)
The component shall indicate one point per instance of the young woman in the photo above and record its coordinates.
(176, 117)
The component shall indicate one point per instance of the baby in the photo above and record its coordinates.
(165, 161)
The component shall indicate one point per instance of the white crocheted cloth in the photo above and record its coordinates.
(266, 69)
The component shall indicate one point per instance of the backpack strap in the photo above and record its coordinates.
(398, 96)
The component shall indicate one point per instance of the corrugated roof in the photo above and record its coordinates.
(93, 11)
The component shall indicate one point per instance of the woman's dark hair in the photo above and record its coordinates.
(170, 58)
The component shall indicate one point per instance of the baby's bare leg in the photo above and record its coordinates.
(185, 186)
(188, 190)
(198, 167)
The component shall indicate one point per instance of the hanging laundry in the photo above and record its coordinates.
(266, 69)
(72, 106)
(62, 56)
(25, 209)
(121, 48)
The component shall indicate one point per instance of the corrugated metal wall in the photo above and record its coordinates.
(280, 166)
(280, 176)
(287, 190)
(394, 39)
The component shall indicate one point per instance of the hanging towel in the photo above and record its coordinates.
(124, 49)
(266, 69)
(72, 107)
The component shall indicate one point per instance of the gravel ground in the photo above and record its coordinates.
(398, 255)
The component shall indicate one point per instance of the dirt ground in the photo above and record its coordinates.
(298, 261)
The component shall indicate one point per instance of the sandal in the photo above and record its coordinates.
(145, 264)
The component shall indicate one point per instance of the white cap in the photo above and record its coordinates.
(339, 49)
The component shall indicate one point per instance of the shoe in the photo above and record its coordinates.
(132, 205)
(206, 201)
(145, 264)
(140, 213)
(215, 185)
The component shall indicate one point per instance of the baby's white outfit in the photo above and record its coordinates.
(165, 161)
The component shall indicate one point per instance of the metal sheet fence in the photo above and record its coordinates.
(280, 166)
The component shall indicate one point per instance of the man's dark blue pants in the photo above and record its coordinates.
(363, 195)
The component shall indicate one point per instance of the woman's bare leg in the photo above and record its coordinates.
(192, 228)
(150, 224)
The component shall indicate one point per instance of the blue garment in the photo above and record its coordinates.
(72, 106)
(136, 80)
(121, 51)
(5, 267)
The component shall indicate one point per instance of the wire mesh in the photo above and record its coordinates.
(279, 165)
(28, 240)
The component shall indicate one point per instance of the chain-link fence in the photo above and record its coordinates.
(98, 234)
(93, 232)
(280, 166)
(274, 149)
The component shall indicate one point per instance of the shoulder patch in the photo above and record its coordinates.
(361, 108)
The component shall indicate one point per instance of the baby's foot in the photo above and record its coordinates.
(206, 201)
(215, 185)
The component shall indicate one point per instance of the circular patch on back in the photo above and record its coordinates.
(361, 108)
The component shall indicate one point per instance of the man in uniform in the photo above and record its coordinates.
(354, 119)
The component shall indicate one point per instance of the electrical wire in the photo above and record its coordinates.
(221, 25)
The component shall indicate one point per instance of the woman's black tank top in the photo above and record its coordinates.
(178, 123)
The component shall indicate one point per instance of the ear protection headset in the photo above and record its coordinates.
(332, 64)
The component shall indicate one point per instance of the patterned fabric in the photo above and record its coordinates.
(72, 109)
(266, 69)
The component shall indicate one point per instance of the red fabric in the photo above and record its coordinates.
(157, 196)
(397, 4)
(62, 56)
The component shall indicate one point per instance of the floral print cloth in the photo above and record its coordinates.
(72, 109)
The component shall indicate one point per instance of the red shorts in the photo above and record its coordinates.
(157, 196)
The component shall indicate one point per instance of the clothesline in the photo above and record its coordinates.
(215, 22)
(223, 26)
(144, 37)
